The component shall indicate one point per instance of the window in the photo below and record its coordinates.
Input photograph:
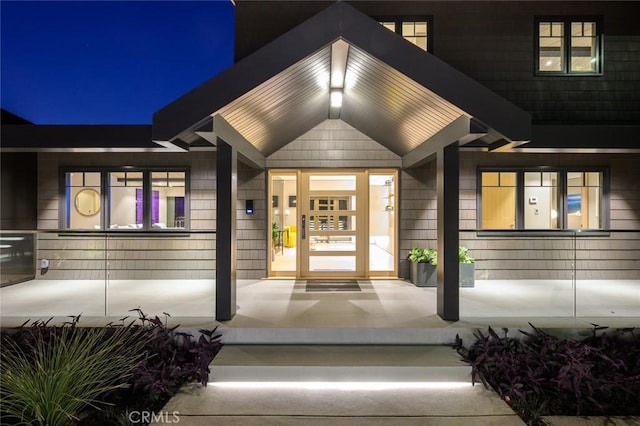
(125, 199)
(414, 30)
(538, 199)
(569, 46)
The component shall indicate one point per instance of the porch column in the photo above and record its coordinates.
(226, 195)
(448, 302)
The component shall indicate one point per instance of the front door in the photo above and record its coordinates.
(332, 223)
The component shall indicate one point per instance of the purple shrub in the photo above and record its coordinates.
(541, 374)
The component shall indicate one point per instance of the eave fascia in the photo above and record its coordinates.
(78, 138)
(283, 52)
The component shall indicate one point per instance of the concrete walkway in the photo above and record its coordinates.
(271, 404)
(339, 385)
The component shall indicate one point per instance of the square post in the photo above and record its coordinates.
(448, 291)
(226, 248)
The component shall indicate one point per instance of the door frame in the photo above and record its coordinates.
(365, 202)
(359, 212)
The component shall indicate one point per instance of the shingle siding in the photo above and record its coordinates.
(493, 42)
(552, 257)
(124, 256)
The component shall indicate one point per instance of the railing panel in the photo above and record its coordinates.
(108, 274)
(17, 257)
(562, 274)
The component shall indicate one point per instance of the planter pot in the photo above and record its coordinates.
(467, 274)
(423, 274)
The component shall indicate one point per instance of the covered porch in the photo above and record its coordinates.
(393, 308)
(340, 65)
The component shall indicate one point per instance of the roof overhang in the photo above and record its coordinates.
(79, 138)
(408, 100)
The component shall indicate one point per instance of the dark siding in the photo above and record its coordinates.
(493, 42)
(19, 188)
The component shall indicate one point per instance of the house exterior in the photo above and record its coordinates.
(348, 133)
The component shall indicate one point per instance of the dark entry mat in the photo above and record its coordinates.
(332, 285)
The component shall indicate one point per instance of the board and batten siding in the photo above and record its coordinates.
(122, 256)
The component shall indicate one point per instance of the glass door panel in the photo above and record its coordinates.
(331, 206)
(382, 223)
(283, 188)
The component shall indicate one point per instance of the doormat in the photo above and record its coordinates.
(332, 285)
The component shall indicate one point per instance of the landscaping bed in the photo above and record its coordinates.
(540, 374)
(67, 375)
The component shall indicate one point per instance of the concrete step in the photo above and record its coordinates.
(338, 363)
(344, 335)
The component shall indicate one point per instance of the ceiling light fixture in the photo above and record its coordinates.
(336, 98)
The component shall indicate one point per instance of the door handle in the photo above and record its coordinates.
(304, 227)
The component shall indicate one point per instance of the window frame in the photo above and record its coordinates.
(567, 20)
(105, 198)
(398, 20)
(562, 200)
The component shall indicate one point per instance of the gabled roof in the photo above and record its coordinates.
(406, 99)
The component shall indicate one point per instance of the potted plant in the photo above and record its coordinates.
(423, 266)
(424, 262)
(467, 267)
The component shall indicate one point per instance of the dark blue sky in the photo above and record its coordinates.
(110, 62)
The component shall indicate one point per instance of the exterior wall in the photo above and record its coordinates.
(335, 144)
(535, 257)
(529, 257)
(493, 43)
(125, 256)
(251, 232)
(17, 203)
(418, 212)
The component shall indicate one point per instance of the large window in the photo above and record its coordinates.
(569, 46)
(538, 199)
(414, 30)
(125, 199)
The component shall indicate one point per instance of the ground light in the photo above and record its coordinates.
(346, 386)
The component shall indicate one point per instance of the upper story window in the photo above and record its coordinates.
(415, 30)
(125, 199)
(569, 46)
(542, 199)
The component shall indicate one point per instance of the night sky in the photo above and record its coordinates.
(111, 62)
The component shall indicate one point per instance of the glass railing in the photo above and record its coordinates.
(528, 275)
(17, 257)
(558, 274)
(108, 274)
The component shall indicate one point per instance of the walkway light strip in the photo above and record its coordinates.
(347, 386)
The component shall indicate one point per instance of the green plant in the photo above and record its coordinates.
(53, 375)
(274, 232)
(430, 256)
(464, 256)
(426, 255)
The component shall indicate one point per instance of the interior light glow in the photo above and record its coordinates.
(343, 386)
(548, 63)
(336, 98)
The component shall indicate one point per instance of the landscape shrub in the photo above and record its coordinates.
(63, 375)
(541, 375)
